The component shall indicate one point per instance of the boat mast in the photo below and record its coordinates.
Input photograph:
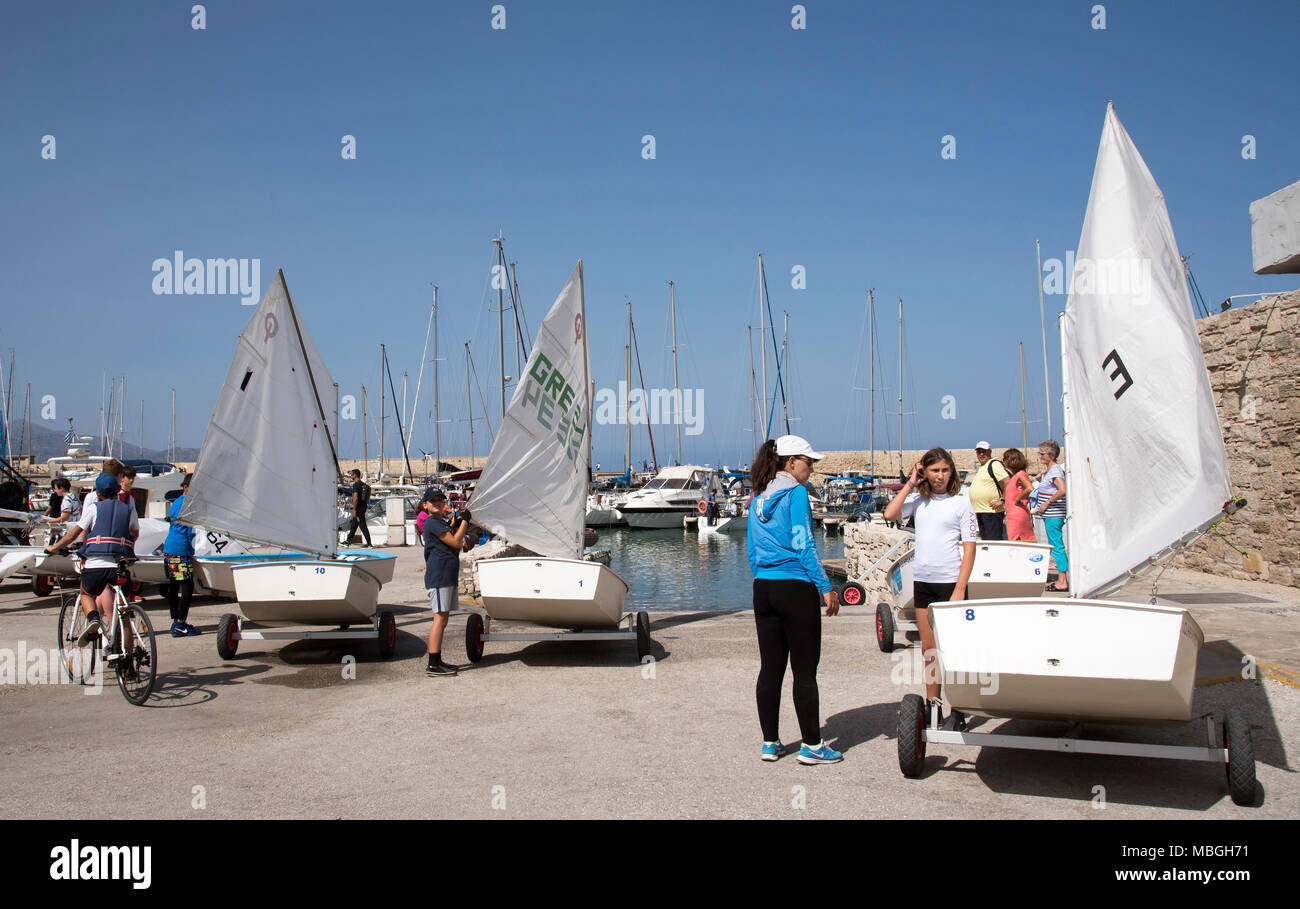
(789, 379)
(1024, 424)
(383, 407)
(27, 429)
(469, 403)
(627, 419)
(171, 433)
(365, 435)
(900, 385)
(871, 382)
(121, 423)
(437, 430)
(762, 334)
(419, 379)
(677, 390)
(141, 428)
(586, 381)
(501, 330)
(753, 418)
(1047, 391)
(4, 402)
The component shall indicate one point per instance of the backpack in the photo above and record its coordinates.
(365, 494)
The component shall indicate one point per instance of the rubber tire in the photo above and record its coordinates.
(1241, 757)
(911, 744)
(387, 635)
(853, 594)
(884, 628)
(474, 637)
(227, 642)
(68, 623)
(139, 696)
(642, 635)
(42, 585)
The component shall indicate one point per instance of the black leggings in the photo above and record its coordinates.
(179, 594)
(787, 614)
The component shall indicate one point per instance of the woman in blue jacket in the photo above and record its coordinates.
(790, 588)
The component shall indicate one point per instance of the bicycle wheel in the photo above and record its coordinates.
(137, 670)
(78, 662)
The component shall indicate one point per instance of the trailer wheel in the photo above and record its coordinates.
(885, 628)
(911, 741)
(642, 635)
(1241, 757)
(387, 634)
(228, 636)
(853, 594)
(474, 637)
(42, 584)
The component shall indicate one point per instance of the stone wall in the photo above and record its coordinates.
(1253, 357)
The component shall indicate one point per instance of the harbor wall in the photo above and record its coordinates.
(1253, 357)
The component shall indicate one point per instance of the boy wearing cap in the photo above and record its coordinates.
(441, 567)
(111, 528)
(986, 487)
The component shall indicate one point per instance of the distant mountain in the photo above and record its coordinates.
(49, 443)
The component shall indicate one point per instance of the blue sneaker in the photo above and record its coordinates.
(772, 750)
(822, 754)
(178, 630)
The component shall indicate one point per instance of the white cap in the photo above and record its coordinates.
(796, 445)
(985, 445)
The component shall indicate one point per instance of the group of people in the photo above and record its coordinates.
(1006, 499)
(791, 588)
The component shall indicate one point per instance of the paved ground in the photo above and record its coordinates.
(581, 730)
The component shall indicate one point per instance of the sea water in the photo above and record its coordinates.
(680, 570)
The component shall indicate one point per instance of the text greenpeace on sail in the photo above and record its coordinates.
(75, 862)
(179, 275)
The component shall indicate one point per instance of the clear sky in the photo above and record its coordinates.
(818, 147)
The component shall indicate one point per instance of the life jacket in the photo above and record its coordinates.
(111, 534)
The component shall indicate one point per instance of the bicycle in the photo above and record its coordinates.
(136, 671)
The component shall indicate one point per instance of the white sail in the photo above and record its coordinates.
(1145, 455)
(267, 471)
(533, 490)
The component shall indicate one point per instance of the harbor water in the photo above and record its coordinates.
(680, 570)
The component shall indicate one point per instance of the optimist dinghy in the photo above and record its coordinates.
(533, 492)
(268, 473)
(1146, 474)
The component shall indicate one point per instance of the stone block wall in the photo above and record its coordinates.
(1253, 357)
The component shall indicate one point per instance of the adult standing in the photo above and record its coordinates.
(360, 501)
(1051, 506)
(945, 549)
(986, 493)
(1020, 524)
(441, 569)
(790, 588)
(178, 563)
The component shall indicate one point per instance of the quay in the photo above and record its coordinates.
(581, 730)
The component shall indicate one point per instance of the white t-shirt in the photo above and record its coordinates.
(86, 522)
(943, 523)
(71, 504)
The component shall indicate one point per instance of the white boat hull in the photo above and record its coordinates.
(726, 524)
(1060, 658)
(657, 520)
(560, 593)
(218, 572)
(308, 592)
(1002, 569)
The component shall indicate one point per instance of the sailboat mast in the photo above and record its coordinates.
(753, 418)
(365, 435)
(900, 386)
(419, 380)
(785, 358)
(871, 382)
(171, 433)
(437, 429)
(501, 330)
(762, 343)
(383, 407)
(1047, 391)
(1024, 422)
(627, 353)
(27, 428)
(677, 390)
(586, 382)
(469, 403)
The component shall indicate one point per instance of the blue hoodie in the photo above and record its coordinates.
(781, 535)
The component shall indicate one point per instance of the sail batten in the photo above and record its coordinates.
(266, 471)
(533, 489)
(1146, 460)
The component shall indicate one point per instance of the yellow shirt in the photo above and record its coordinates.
(983, 489)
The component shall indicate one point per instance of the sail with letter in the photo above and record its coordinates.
(533, 490)
(267, 470)
(1145, 455)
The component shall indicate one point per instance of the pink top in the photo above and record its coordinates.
(1020, 524)
(419, 523)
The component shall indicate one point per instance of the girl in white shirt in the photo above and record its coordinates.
(945, 546)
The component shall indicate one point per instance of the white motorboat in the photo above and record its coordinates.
(674, 493)
(603, 510)
(280, 488)
(533, 493)
(1135, 388)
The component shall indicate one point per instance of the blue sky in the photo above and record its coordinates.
(817, 147)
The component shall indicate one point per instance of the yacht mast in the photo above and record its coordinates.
(762, 335)
(677, 390)
(871, 381)
(627, 354)
(501, 330)
(900, 385)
